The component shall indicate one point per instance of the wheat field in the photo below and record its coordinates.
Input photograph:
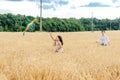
(33, 57)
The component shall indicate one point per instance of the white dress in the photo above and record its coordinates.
(58, 48)
(104, 40)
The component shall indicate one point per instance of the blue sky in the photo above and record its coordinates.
(63, 8)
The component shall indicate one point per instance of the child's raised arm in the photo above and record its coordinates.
(52, 36)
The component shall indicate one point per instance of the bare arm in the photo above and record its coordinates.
(108, 41)
(98, 40)
(52, 36)
(59, 43)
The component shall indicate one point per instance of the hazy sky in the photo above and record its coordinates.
(63, 8)
(25, 7)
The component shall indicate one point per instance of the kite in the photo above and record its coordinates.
(30, 26)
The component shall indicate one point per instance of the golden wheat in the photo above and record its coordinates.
(33, 57)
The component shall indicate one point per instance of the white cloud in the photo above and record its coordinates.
(65, 11)
(22, 7)
(84, 2)
(98, 12)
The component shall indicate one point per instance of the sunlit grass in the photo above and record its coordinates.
(33, 57)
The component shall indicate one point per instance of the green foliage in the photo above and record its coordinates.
(83, 24)
(14, 23)
(1, 28)
(17, 23)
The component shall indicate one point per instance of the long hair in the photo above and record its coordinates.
(61, 40)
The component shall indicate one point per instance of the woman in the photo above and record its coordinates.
(58, 43)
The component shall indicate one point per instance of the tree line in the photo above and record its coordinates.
(15, 23)
(18, 23)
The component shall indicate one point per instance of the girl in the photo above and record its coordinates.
(58, 43)
(104, 40)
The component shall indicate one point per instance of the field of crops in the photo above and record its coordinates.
(33, 57)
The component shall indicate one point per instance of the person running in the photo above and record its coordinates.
(58, 43)
(103, 40)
